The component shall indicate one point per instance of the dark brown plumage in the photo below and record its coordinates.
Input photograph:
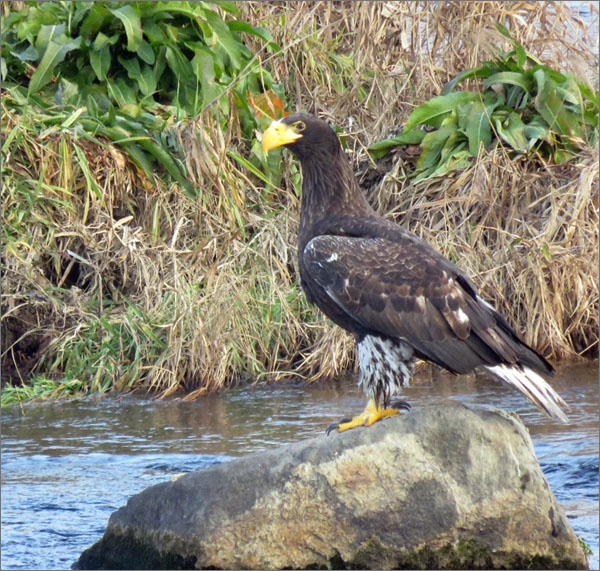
(396, 294)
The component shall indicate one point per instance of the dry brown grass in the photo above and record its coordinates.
(214, 279)
(366, 64)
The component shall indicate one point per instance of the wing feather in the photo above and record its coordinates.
(408, 290)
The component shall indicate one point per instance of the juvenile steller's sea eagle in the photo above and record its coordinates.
(398, 296)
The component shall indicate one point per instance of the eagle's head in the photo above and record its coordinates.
(302, 134)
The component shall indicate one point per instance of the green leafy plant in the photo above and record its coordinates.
(126, 71)
(42, 388)
(524, 105)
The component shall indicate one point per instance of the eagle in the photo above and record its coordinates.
(397, 295)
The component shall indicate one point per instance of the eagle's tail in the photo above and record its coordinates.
(534, 387)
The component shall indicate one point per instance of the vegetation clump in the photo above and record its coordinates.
(149, 244)
(526, 106)
(127, 71)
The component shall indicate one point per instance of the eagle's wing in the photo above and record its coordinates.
(405, 289)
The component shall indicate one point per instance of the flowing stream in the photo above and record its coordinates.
(67, 466)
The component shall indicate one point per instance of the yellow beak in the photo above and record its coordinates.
(277, 135)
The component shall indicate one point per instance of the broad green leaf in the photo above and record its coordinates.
(146, 53)
(552, 74)
(504, 31)
(102, 40)
(451, 119)
(12, 20)
(540, 79)
(154, 32)
(121, 92)
(130, 17)
(94, 20)
(455, 143)
(481, 72)
(191, 10)
(28, 54)
(91, 104)
(227, 6)
(459, 158)
(204, 70)
(262, 33)
(140, 158)
(160, 64)
(187, 86)
(67, 93)
(131, 65)
(590, 118)
(435, 110)
(178, 63)
(519, 52)
(382, 148)
(535, 133)
(78, 11)
(511, 78)
(432, 146)
(153, 123)
(143, 74)
(512, 131)
(569, 92)
(168, 162)
(516, 97)
(589, 94)
(567, 87)
(55, 53)
(146, 80)
(552, 108)
(463, 112)
(478, 128)
(50, 33)
(222, 36)
(100, 61)
(521, 55)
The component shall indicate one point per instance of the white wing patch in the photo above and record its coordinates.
(461, 316)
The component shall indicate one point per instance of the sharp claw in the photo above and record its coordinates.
(401, 405)
(336, 425)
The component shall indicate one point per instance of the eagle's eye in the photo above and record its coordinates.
(299, 126)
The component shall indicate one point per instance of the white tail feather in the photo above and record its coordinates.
(534, 387)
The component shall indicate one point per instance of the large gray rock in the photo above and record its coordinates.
(441, 487)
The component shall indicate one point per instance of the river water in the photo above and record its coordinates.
(67, 466)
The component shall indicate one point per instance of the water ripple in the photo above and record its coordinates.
(66, 467)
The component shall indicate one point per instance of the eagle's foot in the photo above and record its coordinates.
(369, 416)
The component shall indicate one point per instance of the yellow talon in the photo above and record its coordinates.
(369, 416)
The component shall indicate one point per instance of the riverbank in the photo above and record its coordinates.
(117, 278)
